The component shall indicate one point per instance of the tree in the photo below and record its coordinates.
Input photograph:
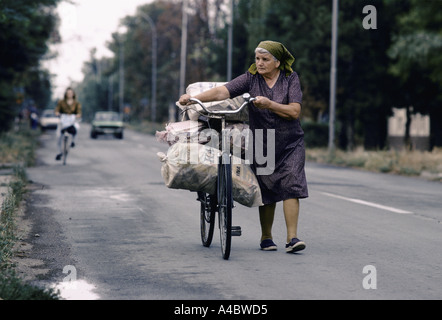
(396, 64)
(25, 28)
(366, 90)
(364, 85)
(204, 48)
(416, 54)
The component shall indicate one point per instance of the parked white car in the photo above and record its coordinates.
(48, 120)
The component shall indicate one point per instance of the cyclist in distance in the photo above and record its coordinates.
(68, 105)
(276, 87)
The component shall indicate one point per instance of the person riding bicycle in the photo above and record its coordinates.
(68, 105)
(277, 89)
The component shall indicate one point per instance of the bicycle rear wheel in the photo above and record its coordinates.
(225, 204)
(207, 217)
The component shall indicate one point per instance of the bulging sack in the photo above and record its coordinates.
(246, 190)
(194, 167)
(190, 166)
(199, 132)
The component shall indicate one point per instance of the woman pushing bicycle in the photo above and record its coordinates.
(277, 89)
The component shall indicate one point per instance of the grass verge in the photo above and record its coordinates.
(17, 151)
(407, 163)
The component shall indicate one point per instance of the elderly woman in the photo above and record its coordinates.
(276, 86)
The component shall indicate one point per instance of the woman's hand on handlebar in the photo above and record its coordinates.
(262, 102)
(185, 100)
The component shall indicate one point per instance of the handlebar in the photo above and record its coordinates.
(246, 96)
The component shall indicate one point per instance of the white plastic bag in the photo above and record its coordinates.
(194, 110)
(67, 120)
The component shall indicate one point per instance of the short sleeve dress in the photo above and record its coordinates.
(287, 180)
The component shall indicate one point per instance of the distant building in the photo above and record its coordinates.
(419, 130)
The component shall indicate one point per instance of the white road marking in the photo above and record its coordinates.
(366, 203)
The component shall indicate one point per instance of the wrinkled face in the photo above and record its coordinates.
(265, 63)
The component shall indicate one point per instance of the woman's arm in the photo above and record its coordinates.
(290, 111)
(78, 110)
(58, 108)
(215, 94)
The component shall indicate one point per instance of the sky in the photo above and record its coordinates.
(85, 24)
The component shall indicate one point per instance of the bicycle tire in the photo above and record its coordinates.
(65, 149)
(207, 217)
(225, 204)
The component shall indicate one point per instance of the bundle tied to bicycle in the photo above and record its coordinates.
(191, 162)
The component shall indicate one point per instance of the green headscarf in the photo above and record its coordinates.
(279, 52)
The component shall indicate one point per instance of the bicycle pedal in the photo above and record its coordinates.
(236, 231)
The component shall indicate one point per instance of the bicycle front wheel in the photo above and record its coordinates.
(225, 204)
(207, 217)
(65, 148)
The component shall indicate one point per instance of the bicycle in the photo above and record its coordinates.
(222, 200)
(67, 122)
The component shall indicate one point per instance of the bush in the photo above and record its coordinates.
(408, 163)
(15, 147)
(13, 288)
(18, 147)
(315, 134)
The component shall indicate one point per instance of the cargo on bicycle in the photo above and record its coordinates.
(209, 155)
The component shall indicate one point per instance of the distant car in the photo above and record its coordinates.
(48, 120)
(107, 122)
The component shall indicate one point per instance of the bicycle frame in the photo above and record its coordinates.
(224, 188)
(66, 121)
(221, 114)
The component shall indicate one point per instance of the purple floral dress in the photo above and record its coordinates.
(288, 179)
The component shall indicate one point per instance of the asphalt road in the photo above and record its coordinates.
(107, 220)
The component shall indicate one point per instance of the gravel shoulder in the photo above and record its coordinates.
(41, 251)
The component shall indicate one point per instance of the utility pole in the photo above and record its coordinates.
(121, 74)
(154, 64)
(111, 93)
(183, 49)
(333, 70)
(230, 44)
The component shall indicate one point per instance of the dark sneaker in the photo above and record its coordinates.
(294, 246)
(268, 245)
(58, 157)
(72, 144)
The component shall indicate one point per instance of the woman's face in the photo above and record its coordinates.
(265, 63)
(70, 94)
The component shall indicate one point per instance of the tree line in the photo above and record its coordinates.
(26, 29)
(397, 64)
